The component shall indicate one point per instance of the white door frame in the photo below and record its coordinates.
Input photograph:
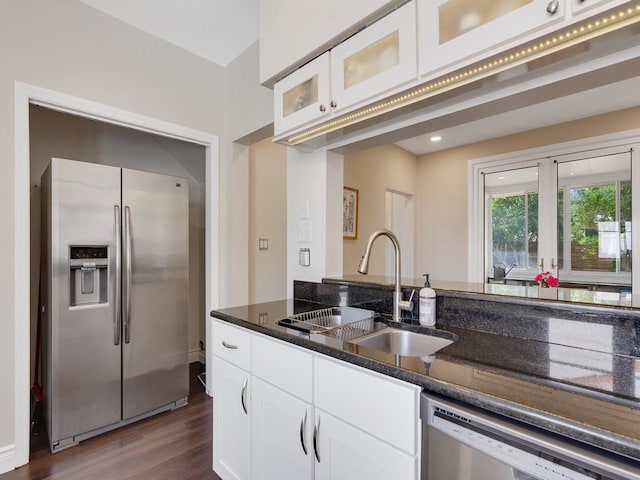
(24, 95)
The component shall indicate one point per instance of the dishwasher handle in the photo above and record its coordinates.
(519, 445)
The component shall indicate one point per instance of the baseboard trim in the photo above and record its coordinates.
(196, 355)
(7, 458)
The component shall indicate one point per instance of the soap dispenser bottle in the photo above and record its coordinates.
(427, 303)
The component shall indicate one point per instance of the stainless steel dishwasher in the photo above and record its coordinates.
(463, 443)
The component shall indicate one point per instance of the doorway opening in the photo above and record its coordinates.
(400, 220)
(25, 96)
(62, 135)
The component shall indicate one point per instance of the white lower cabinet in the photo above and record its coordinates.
(231, 422)
(298, 415)
(347, 453)
(281, 434)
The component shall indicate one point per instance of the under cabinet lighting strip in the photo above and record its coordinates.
(552, 43)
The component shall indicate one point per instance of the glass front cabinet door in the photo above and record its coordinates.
(303, 96)
(376, 60)
(453, 33)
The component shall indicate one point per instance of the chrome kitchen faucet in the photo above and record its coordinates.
(363, 267)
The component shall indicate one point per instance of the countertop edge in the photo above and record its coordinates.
(609, 441)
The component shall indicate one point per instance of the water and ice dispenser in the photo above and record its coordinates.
(88, 274)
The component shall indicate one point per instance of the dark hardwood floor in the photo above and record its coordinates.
(172, 445)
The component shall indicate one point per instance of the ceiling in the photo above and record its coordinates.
(220, 30)
(608, 98)
(217, 30)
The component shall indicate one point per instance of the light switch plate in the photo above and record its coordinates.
(304, 231)
(303, 213)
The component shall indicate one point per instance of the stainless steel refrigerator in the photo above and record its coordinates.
(115, 290)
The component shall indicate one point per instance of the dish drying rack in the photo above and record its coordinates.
(331, 322)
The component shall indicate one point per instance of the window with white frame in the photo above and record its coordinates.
(569, 213)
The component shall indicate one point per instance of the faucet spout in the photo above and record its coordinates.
(363, 267)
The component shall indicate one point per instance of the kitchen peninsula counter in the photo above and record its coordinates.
(588, 395)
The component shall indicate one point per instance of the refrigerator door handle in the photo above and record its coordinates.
(127, 275)
(117, 317)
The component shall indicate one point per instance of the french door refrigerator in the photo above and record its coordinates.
(115, 290)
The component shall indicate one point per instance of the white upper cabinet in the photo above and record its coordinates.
(369, 65)
(292, 33)
(303, 96)
(379, 58)
(453, 33)
(591, 7)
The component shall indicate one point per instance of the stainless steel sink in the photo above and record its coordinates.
(403, 342)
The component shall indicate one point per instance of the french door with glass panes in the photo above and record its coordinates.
(570, 215)
(594, 207)
(513, 226)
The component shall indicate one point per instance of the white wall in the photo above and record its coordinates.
(314, 184)
(247, 107)
(66, 46)
(267, 220)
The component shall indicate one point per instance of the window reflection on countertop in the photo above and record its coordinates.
(571, 295)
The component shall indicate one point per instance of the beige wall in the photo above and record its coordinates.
(442, 220)
(373, 172)
(66, 46)
(268, 220)
(440, 183)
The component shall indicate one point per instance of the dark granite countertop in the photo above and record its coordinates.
(590, 392)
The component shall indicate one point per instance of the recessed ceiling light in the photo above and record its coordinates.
(500, 178)
(436, 138)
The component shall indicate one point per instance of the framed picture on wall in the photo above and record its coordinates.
(350, 213)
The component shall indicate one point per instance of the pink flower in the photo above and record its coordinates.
(546, 279)
(552, 281)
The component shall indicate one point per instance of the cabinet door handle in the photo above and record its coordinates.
(323, 108)
(541, 265)
(316, 434)
(243, 396)
(552, 6)
(303, 427)
(229, 345)
(333, 104)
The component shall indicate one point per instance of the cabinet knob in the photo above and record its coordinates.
(333, 104)
(323, 108)
(552, 6)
